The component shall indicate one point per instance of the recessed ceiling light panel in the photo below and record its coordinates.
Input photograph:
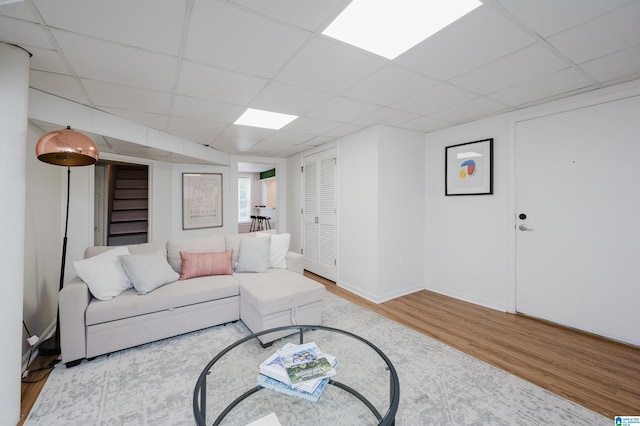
(391, 27)
(265, 119)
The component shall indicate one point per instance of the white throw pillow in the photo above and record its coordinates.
(253, 254)
(278, 250)
(104, 273)
(148, 271)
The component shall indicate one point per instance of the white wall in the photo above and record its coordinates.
(401, 204)
(358, 170)
(380, 212)
(470, 240)
(466, 236)
(293, 188)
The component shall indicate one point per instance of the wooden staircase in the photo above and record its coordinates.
(128, 205)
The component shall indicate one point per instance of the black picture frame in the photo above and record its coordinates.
(468, 168)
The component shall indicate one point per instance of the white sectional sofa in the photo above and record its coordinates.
(158, 304)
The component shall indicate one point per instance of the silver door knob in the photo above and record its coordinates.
(524, 227)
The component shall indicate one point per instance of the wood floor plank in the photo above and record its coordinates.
(592, 371)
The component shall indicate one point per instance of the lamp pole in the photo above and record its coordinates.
(64, 148)
(51, 346)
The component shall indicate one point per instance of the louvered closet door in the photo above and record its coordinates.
(319, 212)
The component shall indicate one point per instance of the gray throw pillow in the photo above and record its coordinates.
(148, 271)
(253, 254)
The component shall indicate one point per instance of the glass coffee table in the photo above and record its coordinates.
(365, 389)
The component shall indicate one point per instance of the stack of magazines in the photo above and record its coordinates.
(302, 371)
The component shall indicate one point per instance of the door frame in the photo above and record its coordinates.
(579, 102)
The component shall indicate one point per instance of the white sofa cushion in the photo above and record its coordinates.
(278, 250)
(148, 271)
(167, 297)
(253, 254)
(278, 290)
(104, 274)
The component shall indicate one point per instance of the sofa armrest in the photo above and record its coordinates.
(295, 262)
(73, 301)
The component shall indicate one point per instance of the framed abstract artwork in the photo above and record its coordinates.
(201, 200)
(468, 168)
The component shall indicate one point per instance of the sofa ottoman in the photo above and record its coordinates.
(279, 298)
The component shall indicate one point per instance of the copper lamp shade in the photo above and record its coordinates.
(67, 148)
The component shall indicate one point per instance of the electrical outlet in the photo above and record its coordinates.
(33, 340)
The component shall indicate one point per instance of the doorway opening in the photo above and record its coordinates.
(121, 203)
(257, 196)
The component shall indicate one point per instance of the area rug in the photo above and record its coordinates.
(153, 384)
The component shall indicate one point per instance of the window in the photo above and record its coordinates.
(244, 199)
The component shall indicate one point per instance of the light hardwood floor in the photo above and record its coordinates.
(596, 373)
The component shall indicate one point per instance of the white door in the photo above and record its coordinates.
(577, 227)
(319, 214)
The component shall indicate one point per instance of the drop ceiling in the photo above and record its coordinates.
(191, 67)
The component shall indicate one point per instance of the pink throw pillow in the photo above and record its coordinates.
(202, 264)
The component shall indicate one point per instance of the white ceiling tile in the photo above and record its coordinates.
(563, 81)
(426, 124)
(270, 146)
(218, 85)
(148, 24)
(527, 64)
(47, 60)
(607, 34)
(24, 33)
(113, 96)
(343, 130)
(376, 89)
(60, 85)
(247, 132)
(307, 14)
(256, 46)
(20, 10)
(288, 137)
(387, 116)
(234, 145)
(329, 65)
(472, 110)
(157, 121)
(314, 126)
(435, 99)
(294, 149)
(278, 97)
(318, 140)
(618, 66)
(201, 109)
(113, 63)
(205, 139)
(476, 39)
(343, 110)
(199, 127)
(548, 17)
(131, 55)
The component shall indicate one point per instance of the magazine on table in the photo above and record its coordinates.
(305, 362)
(278, 386)
(273, 367)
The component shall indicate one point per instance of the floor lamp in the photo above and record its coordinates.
(64, 148)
